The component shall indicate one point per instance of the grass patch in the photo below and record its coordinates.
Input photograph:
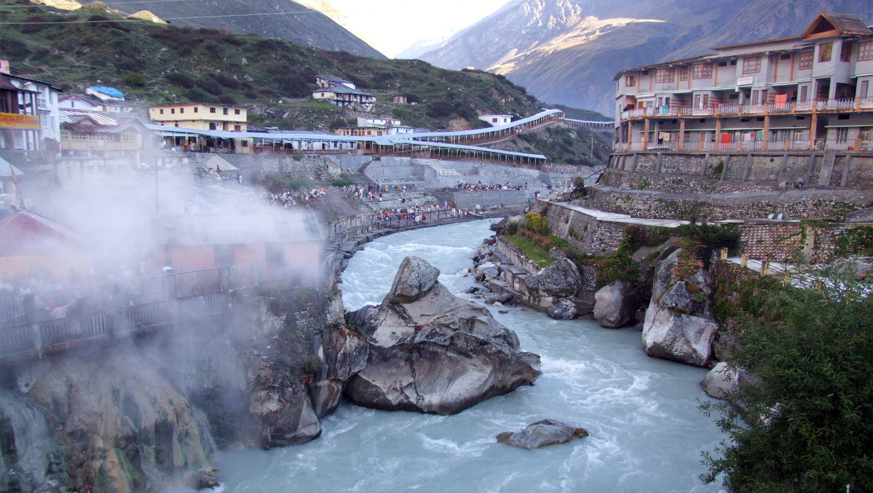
(530, 250)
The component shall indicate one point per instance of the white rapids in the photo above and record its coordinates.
(647, 433)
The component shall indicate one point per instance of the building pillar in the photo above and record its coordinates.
(718, 134)
(813, 125)
(645, 139)
(630, 128)
(766, 132)
(681, 135)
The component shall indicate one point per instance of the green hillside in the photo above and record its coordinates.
(157, 63)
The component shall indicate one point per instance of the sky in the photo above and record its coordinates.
(393, 25)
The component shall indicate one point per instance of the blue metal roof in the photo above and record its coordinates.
(109, 91)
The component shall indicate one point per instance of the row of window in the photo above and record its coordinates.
(197, 110)
(752, 65)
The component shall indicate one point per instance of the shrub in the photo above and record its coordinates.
(807, 423)
(133, 79)
(536, 223)
(209, 86)
(180, 80)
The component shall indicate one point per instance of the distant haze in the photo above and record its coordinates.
(393, 25)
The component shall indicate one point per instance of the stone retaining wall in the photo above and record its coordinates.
(584, 232)
(740, 171)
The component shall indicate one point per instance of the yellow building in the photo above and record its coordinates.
(207, 117)
(200, 116)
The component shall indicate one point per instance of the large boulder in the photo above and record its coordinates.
(413, 280)
(542, 434)
(564, 309)
(678, 337)
(616, 304)
(561, 279)
(438, 354)
(678, 323)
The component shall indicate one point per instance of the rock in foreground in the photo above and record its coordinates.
(542, 434)
(432, 352)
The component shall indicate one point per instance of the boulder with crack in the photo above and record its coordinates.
(433, 352)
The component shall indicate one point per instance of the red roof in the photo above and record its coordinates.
(25, 233)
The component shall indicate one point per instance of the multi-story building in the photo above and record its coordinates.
(200, 116)
(29, 123)
(804, 93)
(341, 92)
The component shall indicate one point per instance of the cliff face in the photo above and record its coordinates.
(140, 413)
(567, 51)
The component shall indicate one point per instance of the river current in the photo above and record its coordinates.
(647, 433)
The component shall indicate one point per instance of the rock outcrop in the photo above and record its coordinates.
(723, 379)
(542, 434)
(678, 324)
(616, 304)
(433, 352)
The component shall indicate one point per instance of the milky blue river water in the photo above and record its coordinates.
(647, 433)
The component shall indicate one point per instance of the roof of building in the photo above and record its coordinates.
(845, 24)
(25, 233)
(77, 120)
(332, 78)
(5, 84)
(109, 91)
(6, 169)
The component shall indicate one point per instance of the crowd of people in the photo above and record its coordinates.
(289, 199)
(490, 187)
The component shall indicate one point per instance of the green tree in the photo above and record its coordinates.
(807, 423)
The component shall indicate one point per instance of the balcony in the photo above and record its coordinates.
(729, 110)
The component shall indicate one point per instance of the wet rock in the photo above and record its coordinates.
(439, 354)
(678, 324)
(488, 270)
(542, 434)
(564, 309)
(561, 279)
(414, 279)
(286, 416)
(616, 304)
(724, 379)
(678, 337)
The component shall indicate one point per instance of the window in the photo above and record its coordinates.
(703, 71)
(683, 73)
(825, 51)
(195, 109)
(722, 64)
(236, 112)
(631, 81)
(752, 65)
(785, 57)
(842, 135)
(181, 110)
(846, 52)
(245, 143)
(865, 88)
(733, 63)
(804, 92)
(212, 110)
(805, 60)
(172, 111)
(237, 128)
(865, 51)
(162, 111)
(665, 75)
(225, 111)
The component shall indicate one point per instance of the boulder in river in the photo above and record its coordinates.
(678, 323)
(542, 434)
(434, 352)
(561, 279)
(616, 304)
(564, 309)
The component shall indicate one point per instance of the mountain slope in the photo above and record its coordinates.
(280, 19)
(568, 51)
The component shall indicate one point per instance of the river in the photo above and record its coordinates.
(647, 433)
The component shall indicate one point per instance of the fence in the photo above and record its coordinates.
(34, 324)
